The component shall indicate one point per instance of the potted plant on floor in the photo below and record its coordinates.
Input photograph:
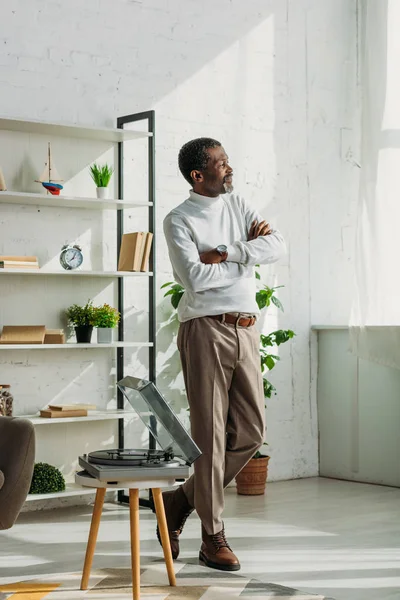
(82, 319)
(252, 478)
(106, 318)
(101, 175)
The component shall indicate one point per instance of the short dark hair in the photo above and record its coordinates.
(194, 156)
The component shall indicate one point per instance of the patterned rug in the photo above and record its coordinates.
(193, 582)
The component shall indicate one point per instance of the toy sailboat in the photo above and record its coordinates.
(50, 178)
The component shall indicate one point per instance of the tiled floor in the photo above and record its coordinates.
(329, 537)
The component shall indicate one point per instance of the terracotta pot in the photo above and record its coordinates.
(252, 478)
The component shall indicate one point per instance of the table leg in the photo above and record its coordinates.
(135, 541)
(94, 530)
(162, 525)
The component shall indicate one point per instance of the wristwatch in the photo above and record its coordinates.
(221, 249)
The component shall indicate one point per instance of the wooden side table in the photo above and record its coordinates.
(86, 480)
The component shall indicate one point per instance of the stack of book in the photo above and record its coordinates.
(135, 251)
(60, 411)
(19, 262)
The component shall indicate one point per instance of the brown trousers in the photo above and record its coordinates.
(221, 367)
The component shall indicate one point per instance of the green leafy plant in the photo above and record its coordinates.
(46, 479)
(101, 174)
(264, 297)
(176, 292)
(106, 316)
(81, 316)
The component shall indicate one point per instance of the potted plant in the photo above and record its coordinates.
(82, 319)
(252, 478)
(106, 318)
(101, 175)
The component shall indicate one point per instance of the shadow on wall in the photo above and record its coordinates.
(278, 110)
(169, 376)
(250, 115)
(200, 32)
(137, 70)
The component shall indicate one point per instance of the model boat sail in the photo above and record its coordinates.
(50, 178)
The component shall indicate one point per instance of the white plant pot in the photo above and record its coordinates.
(104, 335)
(103, 192)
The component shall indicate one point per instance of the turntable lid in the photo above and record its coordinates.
(158, 417)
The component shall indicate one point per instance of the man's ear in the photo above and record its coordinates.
(197, 176)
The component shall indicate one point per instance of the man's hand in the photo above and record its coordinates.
(212, 257)
(258, 229)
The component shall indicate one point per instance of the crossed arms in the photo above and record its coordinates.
(210, 270)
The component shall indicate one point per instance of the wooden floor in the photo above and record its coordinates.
(330, 537)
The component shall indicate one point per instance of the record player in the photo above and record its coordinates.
(177, 449)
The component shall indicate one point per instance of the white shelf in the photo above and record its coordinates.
(32, 199)
(74, 346)
(93, 415)
(71, 489)
(109, 274)
(74, 131)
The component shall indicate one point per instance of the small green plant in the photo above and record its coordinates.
(81, 316)
(46, 479)
(258, 454)
(106, 316)
(101, 174)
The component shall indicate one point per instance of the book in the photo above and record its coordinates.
(23, 334)
(72, 407)
(19, 258)
(60, 414)
(131, 251)
(14, 265)
(146, 252)
(30, 263)
(3, 186)
(54, 336)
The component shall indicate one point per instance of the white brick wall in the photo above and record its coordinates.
(275, 81)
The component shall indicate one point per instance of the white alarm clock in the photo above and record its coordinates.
(71, 257)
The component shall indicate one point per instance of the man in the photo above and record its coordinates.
(214, 241)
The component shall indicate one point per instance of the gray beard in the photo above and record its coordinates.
(228, 187)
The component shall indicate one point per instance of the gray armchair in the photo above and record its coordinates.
(17, 457)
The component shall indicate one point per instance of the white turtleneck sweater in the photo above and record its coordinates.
(202, 223)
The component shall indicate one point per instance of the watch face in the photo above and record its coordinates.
(222, 248)
(71, 258)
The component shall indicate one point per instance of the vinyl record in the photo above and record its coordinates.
(129, 458)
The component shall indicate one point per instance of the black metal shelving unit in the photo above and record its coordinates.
(148, 116)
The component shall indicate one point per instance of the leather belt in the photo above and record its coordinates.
(235, 319)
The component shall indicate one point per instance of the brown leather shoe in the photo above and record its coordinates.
(216, 553)
(177, 510)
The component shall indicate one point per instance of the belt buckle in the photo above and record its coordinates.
(240, 316)
(251, 320)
